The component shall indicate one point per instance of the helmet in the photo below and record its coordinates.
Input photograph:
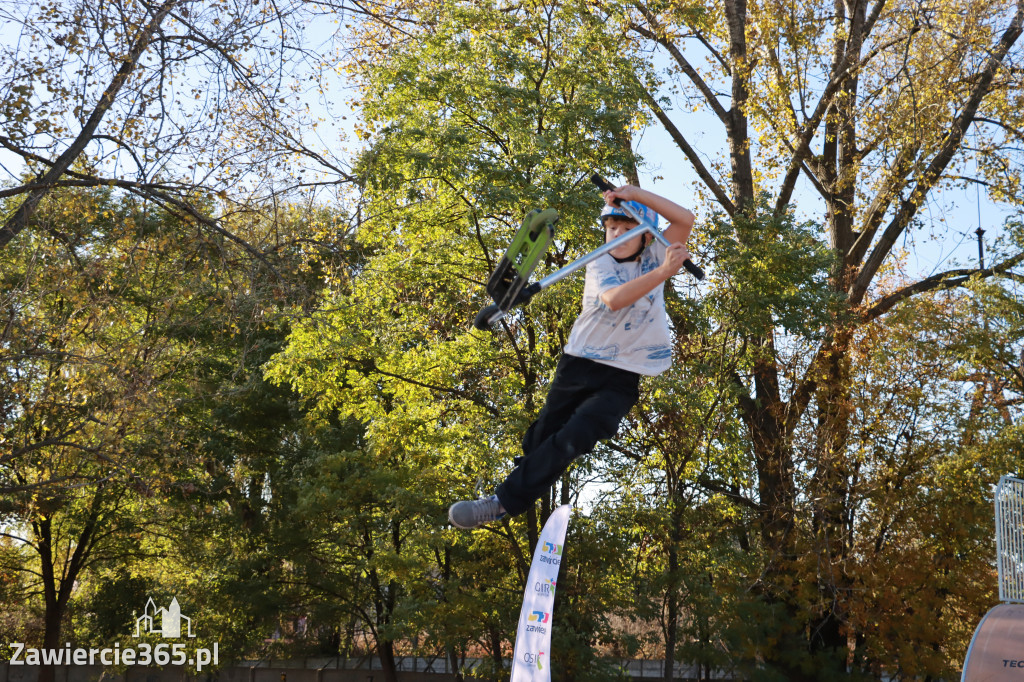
(647, 214)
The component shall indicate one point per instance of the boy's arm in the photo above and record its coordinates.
(680, 219)
(630, 292)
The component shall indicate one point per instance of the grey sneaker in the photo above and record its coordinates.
(470, 514)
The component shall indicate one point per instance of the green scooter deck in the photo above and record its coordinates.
(522, 257)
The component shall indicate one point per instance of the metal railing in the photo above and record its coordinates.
(634, 668)
(1009, 501)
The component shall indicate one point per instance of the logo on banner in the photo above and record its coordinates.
(532, 659)
(538, 617)
(545, 587)
(553, 550)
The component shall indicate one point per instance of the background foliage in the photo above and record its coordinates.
(239, 369)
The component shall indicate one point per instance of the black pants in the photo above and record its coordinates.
(585, 404)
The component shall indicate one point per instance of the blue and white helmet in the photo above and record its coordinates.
(646, 213)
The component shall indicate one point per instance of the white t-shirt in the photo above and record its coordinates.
(635, 338)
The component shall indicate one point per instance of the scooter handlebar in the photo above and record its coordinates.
(605, 186)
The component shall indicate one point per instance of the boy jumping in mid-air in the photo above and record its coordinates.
(621, 334)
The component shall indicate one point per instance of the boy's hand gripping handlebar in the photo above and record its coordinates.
(604, 186)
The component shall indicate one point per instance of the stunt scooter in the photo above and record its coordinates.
(509, 284)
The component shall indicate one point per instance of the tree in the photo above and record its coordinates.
(233, 529)
(871, 108)
(171, 102)
(128, 336)
(454, 162)
(86, 297)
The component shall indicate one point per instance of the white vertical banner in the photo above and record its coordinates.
(531, 661)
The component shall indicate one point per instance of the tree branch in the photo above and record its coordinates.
(841, 74)
(732, 494)
(657, 35)
(941, 281)
(705, 175)
(371, 366)
(20, 218)
(931, 175)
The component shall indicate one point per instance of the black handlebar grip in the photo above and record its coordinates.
(483, 318)
(604, 186)
(601, 183)
(693, 269)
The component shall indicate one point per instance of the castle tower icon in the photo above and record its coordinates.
(170, 620)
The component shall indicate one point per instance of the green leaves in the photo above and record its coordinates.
(773, 273)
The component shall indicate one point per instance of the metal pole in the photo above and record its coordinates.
(583, 261)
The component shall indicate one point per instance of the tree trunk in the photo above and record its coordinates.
(829, 492)
(494, 639)
(58, 584)
(736, 121)
(386, 650)
(672, 615)
(54, 614)
(673, 587)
